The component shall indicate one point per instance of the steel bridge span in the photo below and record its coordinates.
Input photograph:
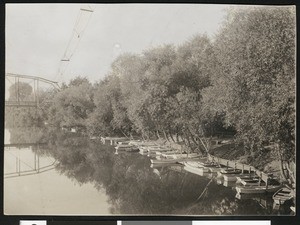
(16, 79)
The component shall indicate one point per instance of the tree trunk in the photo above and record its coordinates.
(157, 134)
(188, 140)
(123, 133)
(203, 144)
(192, 137)
(177, 138)
(185, 140)
(166, 136)
(172, 137)
(282, 170)
(291, 173)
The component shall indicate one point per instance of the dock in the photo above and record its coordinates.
(245, 168)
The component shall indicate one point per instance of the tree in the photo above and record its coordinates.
(255, 77)
(72, 105)
(20, 91)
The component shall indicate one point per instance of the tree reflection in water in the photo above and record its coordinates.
(131, 185)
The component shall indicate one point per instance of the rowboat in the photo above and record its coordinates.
(293, 208)
(123, 142)
(158, 148)
(198, 171)
(168, 161)
(229, 171)
(247, 181)
(210, 164)
(164, 165)
(195, 167)
(178, 156)
(125, 147)
(283, 195)
(121, 147)
(230, 177)
(154, 150)
(135, 142)
(257, 189)
(245, 176)
(168, 153)
(163, 161)
(144, 146)
(250, 182)
(194, 164)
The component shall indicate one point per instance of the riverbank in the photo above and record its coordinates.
(264, 161)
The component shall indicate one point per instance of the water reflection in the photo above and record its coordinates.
(131, 186)
(24, 161)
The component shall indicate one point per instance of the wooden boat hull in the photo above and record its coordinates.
(257, 189)
(229, 177)
(163, 161)
(191, 155)
(293, 208)
(250, 182)
(164, 165)
(197, 171)
(195, 167)
(167, 161)
(230, 171)
(282, 195)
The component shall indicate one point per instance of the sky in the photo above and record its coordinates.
(39, 36)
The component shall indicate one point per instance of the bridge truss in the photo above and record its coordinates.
(15, 81)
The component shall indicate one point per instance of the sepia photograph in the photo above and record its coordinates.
(150, 110)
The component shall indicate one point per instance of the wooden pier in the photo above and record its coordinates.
(245, 168)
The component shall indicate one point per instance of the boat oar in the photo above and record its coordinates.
(196, 202)
(204, 190)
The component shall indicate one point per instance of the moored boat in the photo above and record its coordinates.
(283, 195)
(195, 167)
(209, 164)
(185, 155)
(229, 171)
(293, 208)
(168, 154)
(250, 182)
(145, 145)
(198, 171)
(164, 165)
(154, 149)
(163, 161)
(166, 161)
(229, 177)
(258, 189)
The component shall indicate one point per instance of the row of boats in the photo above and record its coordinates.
(246, 182)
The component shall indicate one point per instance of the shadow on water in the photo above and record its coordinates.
(133, 187)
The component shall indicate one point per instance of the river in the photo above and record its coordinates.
(72, 175)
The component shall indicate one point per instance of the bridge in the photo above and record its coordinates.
(33, 99)
(23, 168)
